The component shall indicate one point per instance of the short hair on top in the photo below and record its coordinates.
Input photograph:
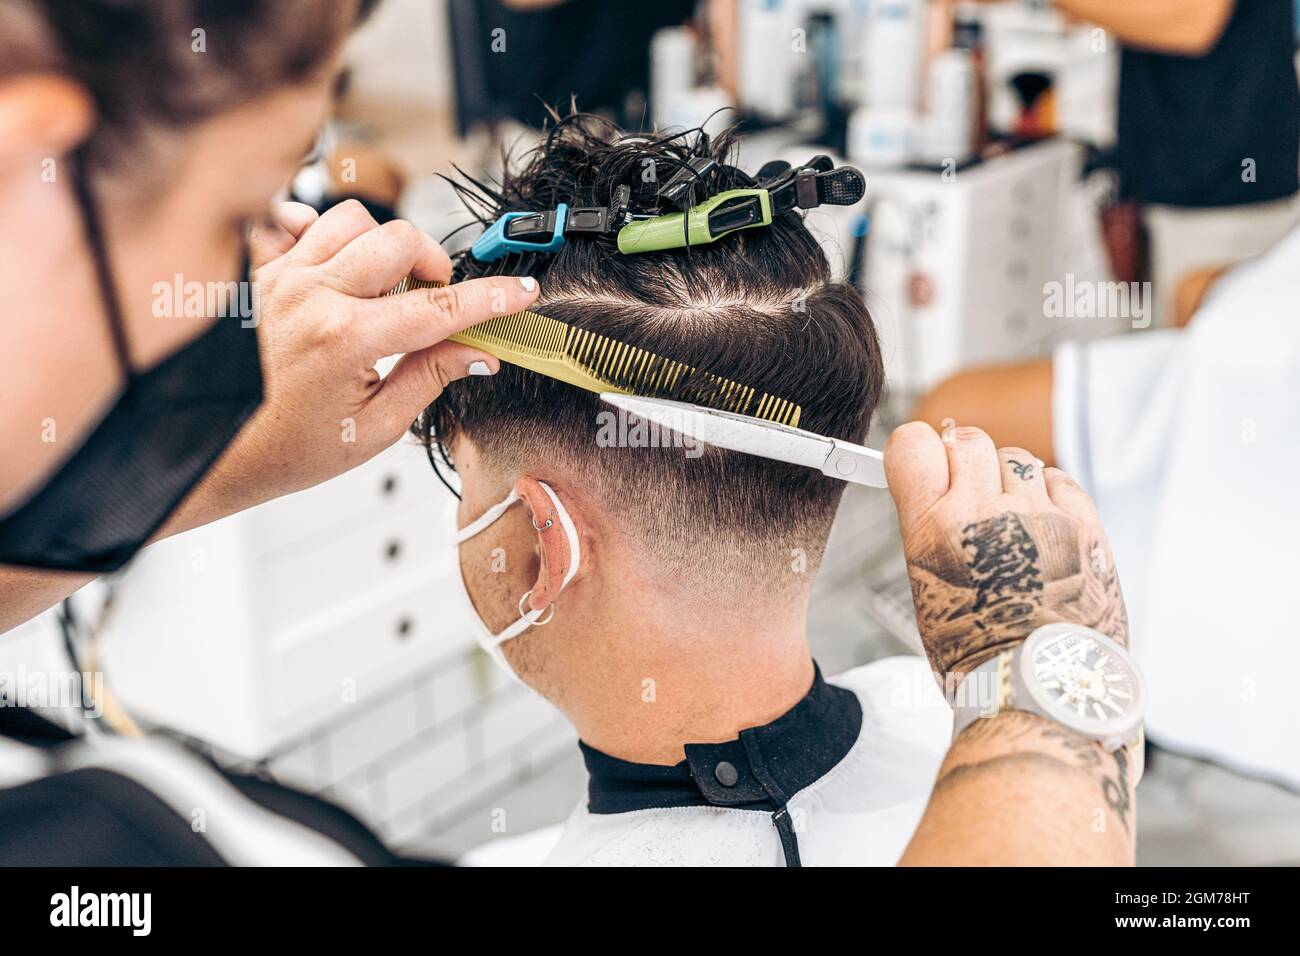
(759, 307)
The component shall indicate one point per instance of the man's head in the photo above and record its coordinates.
(666, 532)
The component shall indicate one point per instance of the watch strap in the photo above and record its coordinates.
(985, 691)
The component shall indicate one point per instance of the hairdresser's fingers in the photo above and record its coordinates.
(278, 232)
(1022, 474)
(336, 227)
(419, 377)
(424, 317)
(916, 467)
(972, 462)
(378, 259)
(1101, 601)
(1067, 495)
(294, 218)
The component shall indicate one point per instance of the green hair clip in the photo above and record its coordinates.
(718, 216)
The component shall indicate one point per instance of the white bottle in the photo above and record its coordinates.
(672, 74)
(770, 34)
(950, 95)
(895, 37)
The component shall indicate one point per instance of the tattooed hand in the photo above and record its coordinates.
(995, 545)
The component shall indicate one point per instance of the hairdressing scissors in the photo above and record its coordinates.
(754, 436)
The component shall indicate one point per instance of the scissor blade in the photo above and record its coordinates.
(742, 433)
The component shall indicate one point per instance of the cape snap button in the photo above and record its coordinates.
(726, 774)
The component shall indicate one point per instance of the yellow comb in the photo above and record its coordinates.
(597, 363)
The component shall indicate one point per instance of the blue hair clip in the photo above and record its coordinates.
(522, 232)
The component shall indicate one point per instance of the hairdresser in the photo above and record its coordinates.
(1208, 129)
(139, 144)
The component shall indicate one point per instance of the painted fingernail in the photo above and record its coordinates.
(528, 282)
(479, 368)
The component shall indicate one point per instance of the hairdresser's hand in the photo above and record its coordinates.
(323, 323)
(995, 545)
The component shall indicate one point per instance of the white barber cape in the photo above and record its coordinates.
(841, 779)
(1189, 441)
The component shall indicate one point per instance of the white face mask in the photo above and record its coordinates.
(491, 643)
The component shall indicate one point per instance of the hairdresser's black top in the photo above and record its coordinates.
(1216, 130)
(760, 770)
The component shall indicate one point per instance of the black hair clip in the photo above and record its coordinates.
(679, 191)
(815, 183)
(546, 231)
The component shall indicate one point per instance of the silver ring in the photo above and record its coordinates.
(549, 522)
(541, 620)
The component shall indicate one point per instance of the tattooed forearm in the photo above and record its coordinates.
(1116, 789)
(1088, 755)
(1015, 741)
(990, 583)
(954, 777)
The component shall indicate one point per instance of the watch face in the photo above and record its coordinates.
(1082, 679)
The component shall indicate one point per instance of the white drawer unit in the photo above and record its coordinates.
(267, 625)
(955, 267)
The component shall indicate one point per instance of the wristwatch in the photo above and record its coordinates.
(1070, 674)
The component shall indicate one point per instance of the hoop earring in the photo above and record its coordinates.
(541, 620)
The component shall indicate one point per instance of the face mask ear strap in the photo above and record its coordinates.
(570, 532)
(486, 518)
(94, 232)
(526, 617)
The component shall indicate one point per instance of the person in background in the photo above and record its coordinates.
(1208, 133)
(596, 51)
(1189, 442)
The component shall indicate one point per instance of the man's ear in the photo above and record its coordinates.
(552, 542)
(44, 115)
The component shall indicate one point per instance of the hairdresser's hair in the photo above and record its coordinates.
(759, 307)
(138, 58)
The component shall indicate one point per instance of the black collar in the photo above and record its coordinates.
(759, 770)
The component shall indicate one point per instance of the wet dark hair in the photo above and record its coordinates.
(137, 57)
(759, 306)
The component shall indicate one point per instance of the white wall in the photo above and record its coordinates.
(403, 52)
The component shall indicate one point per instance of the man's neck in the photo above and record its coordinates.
(664, 684)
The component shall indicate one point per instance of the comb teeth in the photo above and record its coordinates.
(598, 363)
